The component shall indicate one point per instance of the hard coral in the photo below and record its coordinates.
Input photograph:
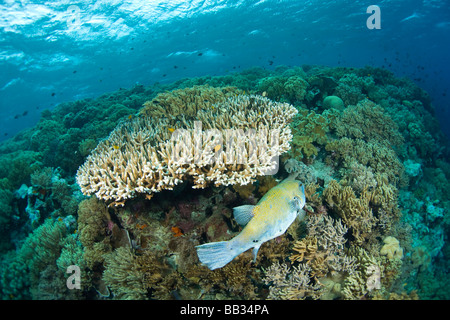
(355, 212)
(291, 283)
(333, 102)
(310, 131)
(142, 156)
(367, 121)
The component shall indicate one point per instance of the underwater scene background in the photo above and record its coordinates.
(93, 205)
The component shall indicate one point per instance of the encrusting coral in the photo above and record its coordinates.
(391, 248)
(145, 155)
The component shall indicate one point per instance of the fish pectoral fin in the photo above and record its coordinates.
(301, 214)
(255, 252)
(243, 214)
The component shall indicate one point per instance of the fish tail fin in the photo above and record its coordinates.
(216, 254)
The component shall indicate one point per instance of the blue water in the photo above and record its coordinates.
(57, 51)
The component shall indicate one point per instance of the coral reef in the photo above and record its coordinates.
(364, 143)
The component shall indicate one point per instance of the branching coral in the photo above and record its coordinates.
(43, 246)
(186, 102)
(310, 131)
(367, 121)
(284, 88)
(323, 248)
(380, 158)
(366, 278)
(143, 156)
(345, 250)
(374, 208)
(25, 274)
(352, 88)
(355, 212)
(291, 284)
(234, 279)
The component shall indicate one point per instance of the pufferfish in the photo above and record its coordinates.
(268, 219)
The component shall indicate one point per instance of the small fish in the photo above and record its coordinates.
(414, 15)
(171, 130)
(177, 232)
(268, 219)
(217, 147)
(116, 147)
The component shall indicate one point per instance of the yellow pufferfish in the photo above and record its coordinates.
(268, 219)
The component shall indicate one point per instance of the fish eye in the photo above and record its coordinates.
(295, 198)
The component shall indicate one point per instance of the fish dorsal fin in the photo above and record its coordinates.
(243, 214)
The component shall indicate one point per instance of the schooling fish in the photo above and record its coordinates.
(268, 219)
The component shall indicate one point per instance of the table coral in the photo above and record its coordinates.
(141, 156)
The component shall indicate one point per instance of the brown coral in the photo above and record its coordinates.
(132, 276)
(355, 212)
(296, 283)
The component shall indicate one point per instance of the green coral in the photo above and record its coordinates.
(6, 197)
(309, 131)
(367, 121)
(24, 273)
